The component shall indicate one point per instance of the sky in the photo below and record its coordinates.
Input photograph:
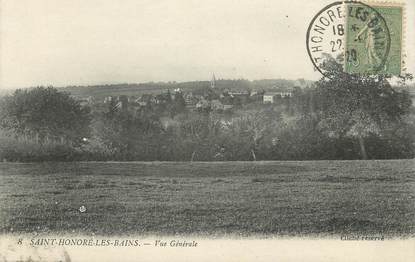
(87, 42)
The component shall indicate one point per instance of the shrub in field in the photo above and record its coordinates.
(30, 150)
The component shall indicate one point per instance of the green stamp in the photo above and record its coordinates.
(373, 41)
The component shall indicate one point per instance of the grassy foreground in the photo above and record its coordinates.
(217, 198)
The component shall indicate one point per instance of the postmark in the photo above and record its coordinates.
(361, 38)
(325, 36)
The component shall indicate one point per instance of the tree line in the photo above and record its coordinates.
(342, 116)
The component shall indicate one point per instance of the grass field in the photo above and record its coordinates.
(212, 199)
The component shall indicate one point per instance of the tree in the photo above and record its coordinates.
(178, 105)
(130, 135)
(45, 114)
(199, 132)
(254, 125)
(358, 106)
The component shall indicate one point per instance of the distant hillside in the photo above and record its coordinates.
(101, 91)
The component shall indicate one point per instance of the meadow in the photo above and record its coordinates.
(313, 198)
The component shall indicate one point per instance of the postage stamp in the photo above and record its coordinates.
(362, 38)
(373, 39)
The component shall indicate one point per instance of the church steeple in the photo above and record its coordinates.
(212, 82)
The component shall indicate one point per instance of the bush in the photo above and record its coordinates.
(13, 149)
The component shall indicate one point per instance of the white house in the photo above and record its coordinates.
(270, 97)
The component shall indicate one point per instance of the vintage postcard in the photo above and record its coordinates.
(218, 130)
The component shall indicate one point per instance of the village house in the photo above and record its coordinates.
(109, 99)
(238, 93)
(190, 100)
(145, 99)
(122, 102)
(162, 98)
(216, 105)
(141, 102)
(256, 96)
(84, 101)
(270, 97)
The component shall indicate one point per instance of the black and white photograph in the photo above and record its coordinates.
(217, 130)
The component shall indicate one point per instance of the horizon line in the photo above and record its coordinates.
(147, 82)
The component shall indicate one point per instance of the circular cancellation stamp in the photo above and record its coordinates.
(362, 38)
